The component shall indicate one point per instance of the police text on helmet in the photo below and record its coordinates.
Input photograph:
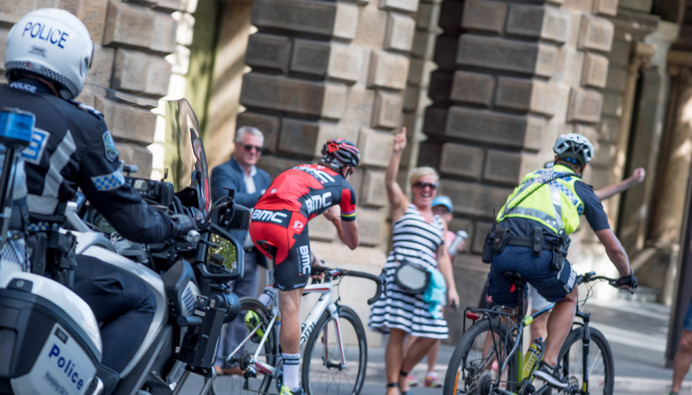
(46, 33)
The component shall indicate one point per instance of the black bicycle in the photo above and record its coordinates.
(488, 358)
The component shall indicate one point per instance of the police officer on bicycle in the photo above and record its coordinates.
(531, 238)
(281, 218)
(49, 52)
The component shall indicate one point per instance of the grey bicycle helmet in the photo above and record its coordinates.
(341, 153)
(574, 148)
(53, 44)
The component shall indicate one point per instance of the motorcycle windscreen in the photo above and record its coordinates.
(184, 152)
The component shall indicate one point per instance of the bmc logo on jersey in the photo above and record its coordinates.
(276, 217)
(315, 203)
(322, 176)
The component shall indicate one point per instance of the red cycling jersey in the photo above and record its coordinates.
(310, 190)
(281, 215)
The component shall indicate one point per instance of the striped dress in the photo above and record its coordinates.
(416, 241)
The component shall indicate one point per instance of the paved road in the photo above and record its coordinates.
(636, 331)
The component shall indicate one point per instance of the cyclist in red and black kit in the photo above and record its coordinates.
(281, 218)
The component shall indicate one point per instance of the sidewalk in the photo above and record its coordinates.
(636, 332)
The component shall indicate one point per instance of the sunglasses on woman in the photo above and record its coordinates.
(419, 184)
(249, 147)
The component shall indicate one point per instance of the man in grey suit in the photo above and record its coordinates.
(249, 183)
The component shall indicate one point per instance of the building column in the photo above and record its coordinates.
(674, 171)
(675, 231)
(511, 77)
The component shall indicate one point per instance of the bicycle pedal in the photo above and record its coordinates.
(574, 387)
(527, 389)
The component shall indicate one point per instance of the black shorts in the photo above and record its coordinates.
(288, 232)
(539, 272)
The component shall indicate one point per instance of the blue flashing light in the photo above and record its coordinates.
(16, 127)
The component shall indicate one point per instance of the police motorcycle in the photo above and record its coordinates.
(49, 339)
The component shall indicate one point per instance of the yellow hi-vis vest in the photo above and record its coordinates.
(548, 197)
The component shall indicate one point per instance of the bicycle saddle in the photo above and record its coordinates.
(514, 277)
(268, 247)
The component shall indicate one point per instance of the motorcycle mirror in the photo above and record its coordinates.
(188, 163)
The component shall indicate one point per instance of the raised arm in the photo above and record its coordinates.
(609, 191)
(397, 198)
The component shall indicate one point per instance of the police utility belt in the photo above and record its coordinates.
(499, 238)
(53, 250)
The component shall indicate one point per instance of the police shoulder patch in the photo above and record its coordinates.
(109, 146)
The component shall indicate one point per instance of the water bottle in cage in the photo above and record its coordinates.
(533, 355)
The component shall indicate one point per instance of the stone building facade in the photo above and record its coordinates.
(483, 86)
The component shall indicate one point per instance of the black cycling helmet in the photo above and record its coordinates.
(341, 153)
(574, 148)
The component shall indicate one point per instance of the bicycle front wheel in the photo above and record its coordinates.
(477, 357)
(600, 367)
(267, 355)
(334, 362)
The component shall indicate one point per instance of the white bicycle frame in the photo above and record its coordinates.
(326, 302)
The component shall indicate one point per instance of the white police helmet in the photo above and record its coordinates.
(53, 44)
(574, 148)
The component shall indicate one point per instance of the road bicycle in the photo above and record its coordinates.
(488, 359)
(333, 342)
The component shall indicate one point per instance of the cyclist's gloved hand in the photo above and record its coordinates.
(627, 281)
(316, 265)
(181, 224)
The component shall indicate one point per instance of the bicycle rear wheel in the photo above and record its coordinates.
(600, 364)
(269, 354)
(322, 371)
(473, 367)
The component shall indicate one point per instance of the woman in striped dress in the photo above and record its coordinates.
(417, 237)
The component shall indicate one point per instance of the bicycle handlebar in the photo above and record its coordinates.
(334, 273)
(591, 276)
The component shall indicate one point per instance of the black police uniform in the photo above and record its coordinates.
(72, 148)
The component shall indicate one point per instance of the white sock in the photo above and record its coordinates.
(291, 371)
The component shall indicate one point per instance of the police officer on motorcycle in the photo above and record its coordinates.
(49, 52)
